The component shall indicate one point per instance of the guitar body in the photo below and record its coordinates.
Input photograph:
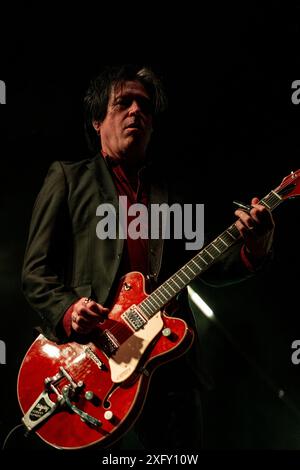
(109, 374)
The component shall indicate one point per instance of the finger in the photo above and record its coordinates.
(97, 308)
(89, 304)
(254, 201)
(90, 309)
(90, 322)
(79, 329)
(85, 312)
(245, 219)
(77, 324)
(262, 216)
(258, 218)
(244, 231)
(82, 325)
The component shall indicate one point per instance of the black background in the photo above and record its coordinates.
(231, 132)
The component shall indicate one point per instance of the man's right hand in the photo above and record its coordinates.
(87, 314)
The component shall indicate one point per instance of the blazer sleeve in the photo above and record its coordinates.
(232, 268)
(46, 257)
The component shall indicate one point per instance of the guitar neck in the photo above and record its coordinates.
(198, 264)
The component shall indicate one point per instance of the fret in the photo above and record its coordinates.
(175, 291)
(203, 259)
(265, 204)
(224, 243)
(156, 294)
(193, 261)
(161, 292)
(279, 199)
(215, 246)
(157, 302)
(272, 200)
(207, 251)
(179, 277)
(149, 309)
(173, 280)
(164, 286)
(149, 299)
(210, 251)
(207, 256)
(187, 265)
(231, 235)
(146, 314)
(186, 275)
(145, 306)
(228, 238)
(200, 262)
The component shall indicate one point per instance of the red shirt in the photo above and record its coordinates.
(135, 251)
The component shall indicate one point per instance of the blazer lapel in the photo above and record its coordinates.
(106, 254)
(107, 189)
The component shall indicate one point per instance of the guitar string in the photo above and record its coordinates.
(122, 330)
(119, 328)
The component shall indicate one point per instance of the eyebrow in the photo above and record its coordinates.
(131, 95)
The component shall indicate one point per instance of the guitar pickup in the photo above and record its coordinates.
(109, 343)
(134, 318)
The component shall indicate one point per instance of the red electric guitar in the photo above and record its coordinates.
(75, 395)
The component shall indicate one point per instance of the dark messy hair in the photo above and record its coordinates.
(98, 93)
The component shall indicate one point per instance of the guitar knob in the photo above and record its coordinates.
(108, 415)
(166, 332)
(89, 395)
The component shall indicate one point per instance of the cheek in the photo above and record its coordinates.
(112, 129)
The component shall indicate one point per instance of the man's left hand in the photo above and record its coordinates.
(257, 229)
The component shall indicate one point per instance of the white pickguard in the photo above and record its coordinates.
(125, 360)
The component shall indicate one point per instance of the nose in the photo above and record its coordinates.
(134, 108)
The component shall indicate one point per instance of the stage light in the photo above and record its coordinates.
(199, 302)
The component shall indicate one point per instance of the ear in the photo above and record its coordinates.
(97, 126)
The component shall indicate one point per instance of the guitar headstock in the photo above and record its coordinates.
(290, 186)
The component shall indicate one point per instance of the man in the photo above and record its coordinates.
(70, 274)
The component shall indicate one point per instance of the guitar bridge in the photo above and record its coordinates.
(44, 407)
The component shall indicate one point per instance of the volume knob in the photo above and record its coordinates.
(108, 415)
(166, 332)
(89, 395)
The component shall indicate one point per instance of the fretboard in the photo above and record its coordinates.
(198, 264)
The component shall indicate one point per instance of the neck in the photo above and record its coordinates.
(129, 161)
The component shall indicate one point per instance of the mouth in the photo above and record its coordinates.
(134, 126)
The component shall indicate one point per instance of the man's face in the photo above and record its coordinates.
(127, 126)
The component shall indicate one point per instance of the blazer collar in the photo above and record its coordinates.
(100, 170)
